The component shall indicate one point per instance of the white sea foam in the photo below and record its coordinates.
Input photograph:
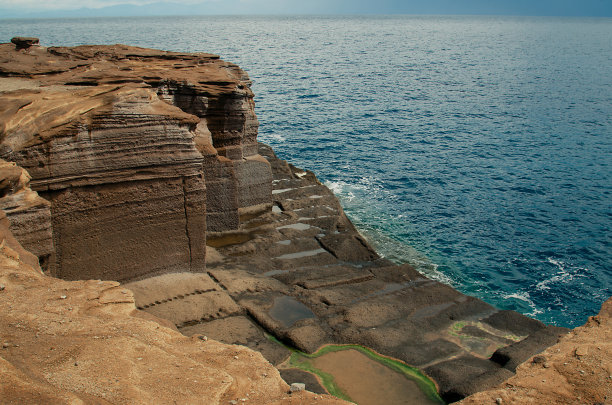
(266, 138)
(525, 297)
(564, 275)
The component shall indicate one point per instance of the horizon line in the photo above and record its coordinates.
(86, 15)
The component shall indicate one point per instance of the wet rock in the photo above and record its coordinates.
(310, 381)
(513, 355)
(568, 379)
(513, 321)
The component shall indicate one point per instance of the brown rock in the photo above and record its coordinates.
(24, 42)
(568, 379)
(93, 347)
(29, 214)
(124, 142)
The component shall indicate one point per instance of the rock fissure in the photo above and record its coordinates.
(187, 223)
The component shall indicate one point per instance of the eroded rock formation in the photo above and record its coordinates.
(29, 214)
(302, 273)
(139, 152)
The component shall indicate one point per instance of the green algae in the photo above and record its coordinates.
(456, 328)
(302, 361)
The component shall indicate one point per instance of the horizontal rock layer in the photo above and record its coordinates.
(139, 152)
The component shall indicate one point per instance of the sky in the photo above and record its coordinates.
(55, 8)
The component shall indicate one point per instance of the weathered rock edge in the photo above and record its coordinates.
(140, 152)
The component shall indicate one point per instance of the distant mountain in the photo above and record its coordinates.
(128, 10)
(602, 8)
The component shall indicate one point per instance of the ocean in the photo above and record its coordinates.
(477, 148)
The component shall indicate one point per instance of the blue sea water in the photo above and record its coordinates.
(477, 148)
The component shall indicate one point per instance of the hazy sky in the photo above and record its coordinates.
(521, 7)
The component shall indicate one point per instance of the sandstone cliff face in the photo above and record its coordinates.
(84, 342)
(138, 151)
(28, 213)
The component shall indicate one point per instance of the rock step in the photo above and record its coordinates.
(314, 277)
(238, 281)
(314, 200)
(196, 308)
(310, 279)
(239, 330)
(340, 279)
(511, 356)
(167, 287)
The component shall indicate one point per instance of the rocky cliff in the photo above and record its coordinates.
(124, 142)
(149, 173)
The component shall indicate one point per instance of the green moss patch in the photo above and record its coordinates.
(301, 360)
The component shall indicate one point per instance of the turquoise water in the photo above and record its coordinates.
(477, 148)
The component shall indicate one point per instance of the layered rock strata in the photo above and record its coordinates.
(84, 342)
(139, 152)
(29, 214)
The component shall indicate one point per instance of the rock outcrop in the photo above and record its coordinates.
(84, 342)
(29, 214)
(577, 370)
(138, 151)
(302, 273)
